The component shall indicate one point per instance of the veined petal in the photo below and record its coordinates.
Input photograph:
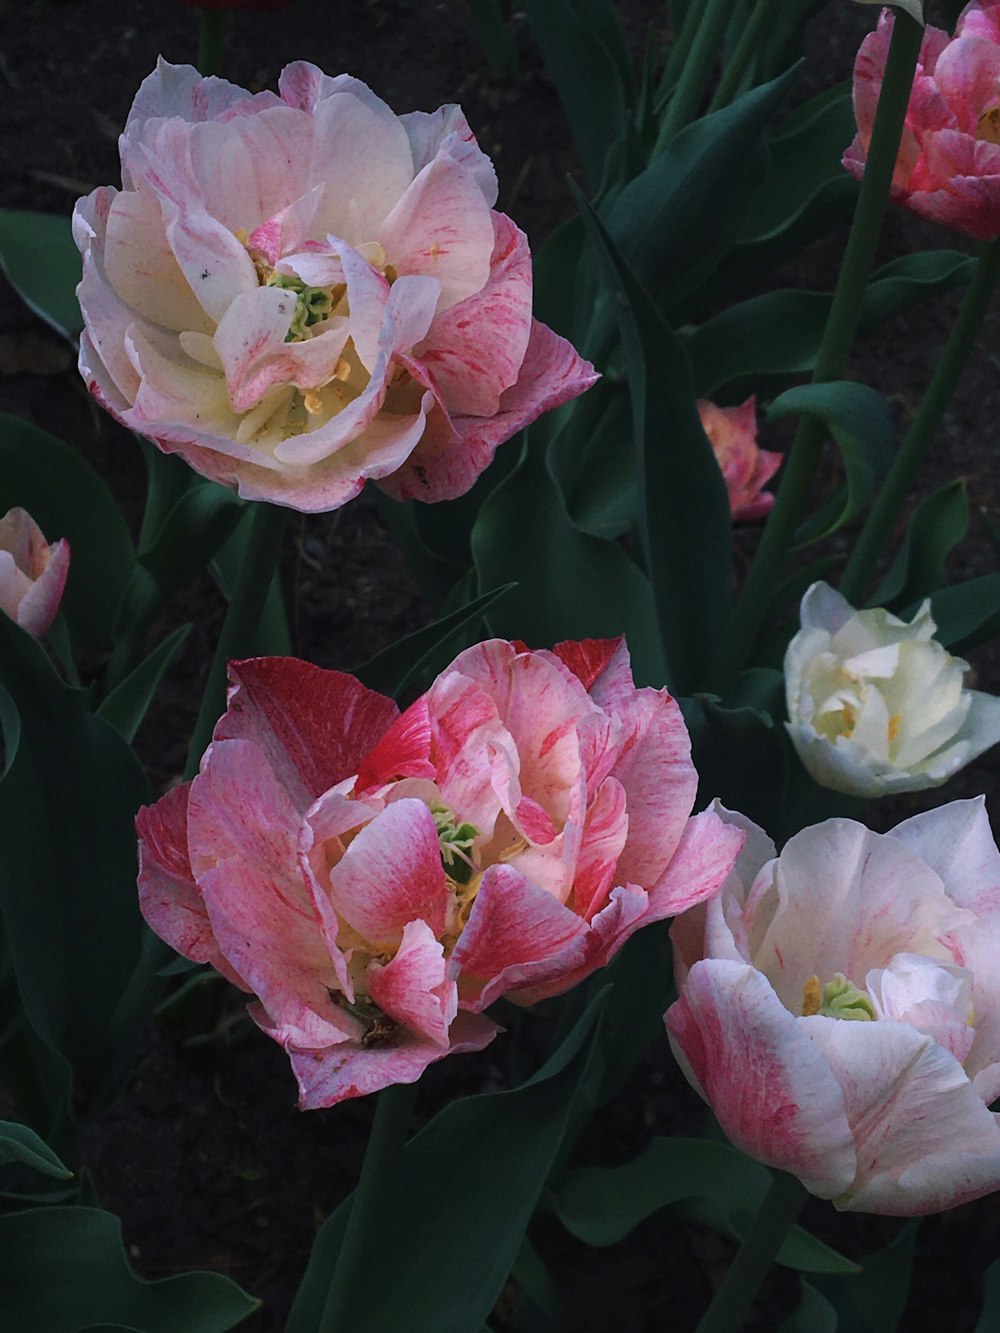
(413, 987)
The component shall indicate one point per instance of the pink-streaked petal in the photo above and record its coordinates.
(250, 167)
(447, 461)
(314, 726)
(354, 142)
(109, 318)
(413, 987)
(956, 841)
(392, 874)
(287, 230)
(605, 829)
(601, 665)
(168, 896)
(403, 752)
(980, 19)
(38, 607)
(475, 349)
(771, 1090)
(705, 856)
(925, 1141)
(352, 1070)
(442, 228)
(469, 746)
(968, 75)
(446, 129)
(179, 90)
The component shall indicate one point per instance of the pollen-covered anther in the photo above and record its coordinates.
(312, 402)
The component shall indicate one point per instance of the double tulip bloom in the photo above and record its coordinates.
(300, 291)
(746, 469)
(377, 880)
(877, 705)
(948, 167)
(839, 1008)
(32, 572)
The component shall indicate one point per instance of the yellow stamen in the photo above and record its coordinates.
(312, 402)
(850, 718)
(988, 128)
(894, 725)
(342, 370)
(811, 995)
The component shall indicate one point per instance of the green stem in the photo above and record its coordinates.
(210, 25)
(678, 54)
(754, 1258)
(375, 1192)
(764, 12)
(245, 606)
(697, 70)
(906, 464)
(845, 313)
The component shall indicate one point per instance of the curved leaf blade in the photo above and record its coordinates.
(40, 258)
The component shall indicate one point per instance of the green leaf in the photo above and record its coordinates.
(684, 518)
(570, 585)
(127, 704)
(593, 460)
(20, 1144)
(989, 1315)
(938, 523)
(587, 65)
(197, 524)
(602, 1206)
(740, 755)
(502, 1145)
(40, 258)
(768, 340)
(393, 669)
(966, 614)
(873, 1301)
(495, 37)
(860, 422)
(814, 1315)
(272, 636)
(67, 498)
(71, 917)
(64, 1270)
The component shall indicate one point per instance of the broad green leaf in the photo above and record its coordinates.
(814, 1315)
(601, 1206)
(740, 753)
(593, 460)
(989, 1315)
(71, 917)
(555, 291)
(127, 704)
(768, 340)
(587, 72)
(272, 635)
(65, 1270)
(20, 1144)
(938, 523)
(966, 614)
(494, 36)
(40, 258)
(860, 422)
(199, 521)
(538, 1288)
(467, 1185)
(684, 518)
(570, 585)
(873, 1301)
(393, 669)
(67, 498)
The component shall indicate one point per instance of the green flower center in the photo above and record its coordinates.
(839, 998)
(312, 304)
(456, 842)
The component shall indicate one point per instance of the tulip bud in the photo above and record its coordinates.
(32, 573)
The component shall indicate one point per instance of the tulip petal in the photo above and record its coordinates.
(447, 130)
(413, 987)
(772, 1091)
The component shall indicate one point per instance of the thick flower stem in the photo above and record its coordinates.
(762, 17)
(906, 464)
(245, 607)
(754, 1258)
(697, 70)
(375, 1192)
(845, 312)
(210, 24)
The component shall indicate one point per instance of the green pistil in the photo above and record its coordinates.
(312, 304)
(839, 998)
(456, 844)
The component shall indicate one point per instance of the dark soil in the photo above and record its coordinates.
(205, 1157)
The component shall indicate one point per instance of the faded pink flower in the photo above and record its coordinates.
(839, 1008)
(732, 433)
(948, 167)
(32, 573)
(377, 880)
(299, 292)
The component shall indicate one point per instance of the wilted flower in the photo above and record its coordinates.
(32, 573)
(839, 1008)
(948, 168)
(732, 433)
(377, 880)
(876, 705)
(299, 292)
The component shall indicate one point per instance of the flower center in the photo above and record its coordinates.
(312, 304)
(839, 998)
(456, 844)
(988, 128)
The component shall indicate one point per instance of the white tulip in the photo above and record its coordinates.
(876, 705)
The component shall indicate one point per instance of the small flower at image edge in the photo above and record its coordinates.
(839, 1008)
(732, 433)
(32, 572)
(876, 705)
(377, 879)
(299, 292)
(948, 168)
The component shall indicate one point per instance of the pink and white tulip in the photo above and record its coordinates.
(300, 291)
(948, 168)
(732, 433)
(32, 572)
(839, 1008)
(378, 879)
